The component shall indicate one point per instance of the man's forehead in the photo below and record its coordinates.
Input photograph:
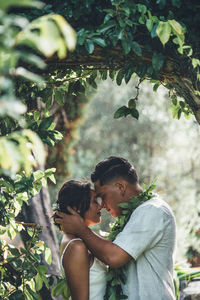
(99, 189)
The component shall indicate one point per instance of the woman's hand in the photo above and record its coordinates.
(73, 223)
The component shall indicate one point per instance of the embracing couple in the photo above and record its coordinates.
(144, 248)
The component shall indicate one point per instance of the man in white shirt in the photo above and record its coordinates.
(145, 246)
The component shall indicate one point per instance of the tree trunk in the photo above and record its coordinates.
(38, 212)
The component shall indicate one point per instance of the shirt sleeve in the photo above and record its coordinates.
(143, 230)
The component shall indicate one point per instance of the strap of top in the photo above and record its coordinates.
(61, 258)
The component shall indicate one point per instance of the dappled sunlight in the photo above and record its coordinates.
(158, 146)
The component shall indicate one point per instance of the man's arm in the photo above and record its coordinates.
(105, 250)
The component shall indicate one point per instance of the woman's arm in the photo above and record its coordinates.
(76, 266)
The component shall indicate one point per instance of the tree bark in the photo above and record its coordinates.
(38, 212)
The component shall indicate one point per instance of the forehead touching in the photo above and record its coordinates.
(101, 189)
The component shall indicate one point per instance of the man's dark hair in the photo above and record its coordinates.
(114, 167)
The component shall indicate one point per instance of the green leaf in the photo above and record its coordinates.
(17, 295)
(121, 112)
(38, 282)
(59, 97)
(135, 113)
(107, 26)
(99, 41)
(66, 30)
(195, 62)
(33, 59)
(149, 24)
(157, 61)
(38, 147)
(153, 31)
(156, 86)
(89, 46)
(142, 8)
(128, 74)
(38, 174)
(20, 71)
(176, 26)
(104, 74)
(163, 31)
(58, 288)
(112, 74)
(5, 5)
(49, 172)
(136, 48)
(126, 45)
(123, 204)
(48, 255)
(132, 103)
(52, 178)
(32, 293)
(42, 269)
(46, 123)
(120, 77)
(36, 115)
(179, 113)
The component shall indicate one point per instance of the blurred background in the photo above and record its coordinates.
(157, 145)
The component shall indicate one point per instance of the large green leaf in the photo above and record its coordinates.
(48, 255)
(99, 41)
(11, 106)
(89, 45)
(163, 31)
(37, 146)
(6, 4)
(107, 26)
(20, 71)
(67, 31)
(121, 112)
(136, 48)
(58, 288)
(126, 44)
(176, 26)
(49, 34)
(134, 113)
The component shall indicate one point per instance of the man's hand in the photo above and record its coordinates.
(73, 224)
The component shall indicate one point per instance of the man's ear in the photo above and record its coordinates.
(121, 186)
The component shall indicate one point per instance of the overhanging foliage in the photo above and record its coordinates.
(158, 41)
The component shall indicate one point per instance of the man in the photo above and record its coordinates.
(145, 245)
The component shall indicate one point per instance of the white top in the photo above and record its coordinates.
(97, 276)
(149, 237)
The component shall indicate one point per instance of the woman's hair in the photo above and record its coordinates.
(76, 194)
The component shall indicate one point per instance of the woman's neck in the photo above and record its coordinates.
(69, 236)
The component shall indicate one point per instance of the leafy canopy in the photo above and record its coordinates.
(23, 133)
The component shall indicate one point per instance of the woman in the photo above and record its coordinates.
(85, 275)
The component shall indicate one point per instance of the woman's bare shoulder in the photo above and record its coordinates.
(77, 246)
(73, 244)
(77, 253)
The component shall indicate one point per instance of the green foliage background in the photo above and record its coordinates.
(42, 99)
(158, 145)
